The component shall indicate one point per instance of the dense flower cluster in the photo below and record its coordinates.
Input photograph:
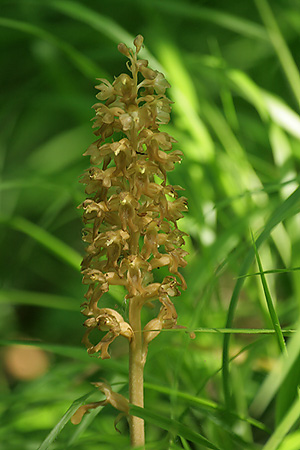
(131, 212)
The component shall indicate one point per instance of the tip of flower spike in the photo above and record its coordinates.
(138, 42)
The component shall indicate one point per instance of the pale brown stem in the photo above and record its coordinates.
(136, 364)
(136, 374)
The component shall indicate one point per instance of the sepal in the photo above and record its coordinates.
(113, 398)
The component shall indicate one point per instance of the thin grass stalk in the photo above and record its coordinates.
(270, 304)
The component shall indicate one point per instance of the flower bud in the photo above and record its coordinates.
(124, 49)
(138, 42)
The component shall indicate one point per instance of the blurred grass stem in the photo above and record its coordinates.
(283, 53)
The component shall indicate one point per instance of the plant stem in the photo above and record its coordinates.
(136, 364)
(136, 375)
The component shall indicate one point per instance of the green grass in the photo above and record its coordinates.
(236, 88)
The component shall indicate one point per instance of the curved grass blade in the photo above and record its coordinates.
(266, 103)
(173, 426)
(24, 183)
(83, 64)
(287, 392)
(184, 444)
(288, 208)
(101, 23)
(87, 420)
(228, 21)
(289, 67)
(204, 403)
(250, 90)
(277, 377)
(47, 240)
(63, 421)
(267, 188)
(271, 308)
(186, 101)
(84, 424)
(18, 297)
(240, 331)
(284, 427)
(266, 272)
(291, 441)
(282, 114)
(244, 171)
(60, 151)
(253, 331)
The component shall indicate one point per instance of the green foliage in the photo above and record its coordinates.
(235, 84)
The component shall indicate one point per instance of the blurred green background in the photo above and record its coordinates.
(233, 67)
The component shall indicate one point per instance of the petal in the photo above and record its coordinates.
(82, 410)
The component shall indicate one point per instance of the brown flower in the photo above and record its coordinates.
(106, 320)
(130, 216)
(131, 212)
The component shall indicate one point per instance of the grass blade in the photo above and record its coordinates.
(63, 421)
(83, 64)
(282, 114)
(291, 441)
(228, 21)
(286, 209)
(18, 297)
(47, 240)
(284, 427)
(277, 377)
(292, 269)
(288, 64)
(271, 308)
(240, 331)
(104, 24)
(186, 103)
(107, 26)
(250, 90)
(173, 426)
(204, 403)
